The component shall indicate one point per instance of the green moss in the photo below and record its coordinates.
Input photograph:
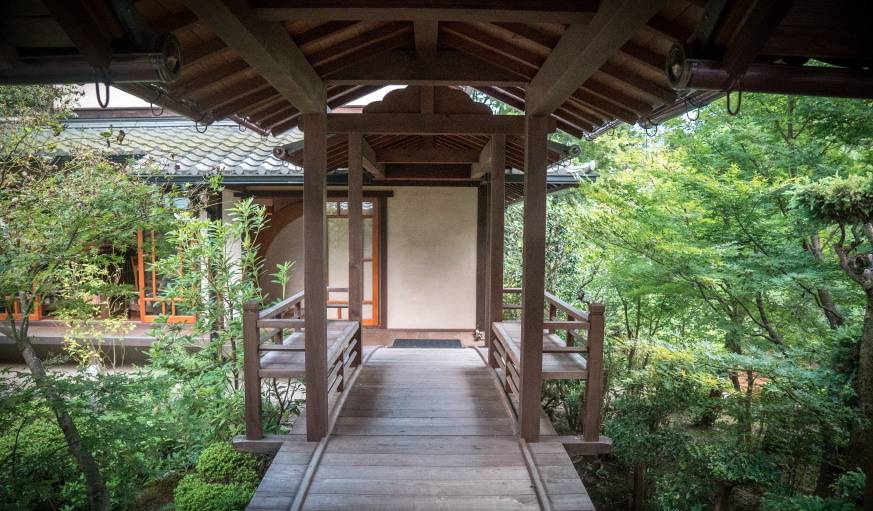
(220, 463)
(224, 480)
(195, 494)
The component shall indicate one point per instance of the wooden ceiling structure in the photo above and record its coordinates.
(589, 64)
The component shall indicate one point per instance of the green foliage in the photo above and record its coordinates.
(284, 272)
(838, 199)
(732, 331)
(224, 480)
(220, 463)
(194, 494)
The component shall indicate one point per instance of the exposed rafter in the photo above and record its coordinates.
(267, 47)
(423, 68)
(370, 164)
(426, 124)
(753, 34)
(550, 11)
(583, 49)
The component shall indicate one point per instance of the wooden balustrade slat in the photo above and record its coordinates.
(281, 323)
(274, 310)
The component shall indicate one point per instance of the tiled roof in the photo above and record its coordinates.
(175, 146)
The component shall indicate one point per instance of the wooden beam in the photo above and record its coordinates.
(482, 259)
(430, 68)
(356, 239)
(85, 32)
(550, 11)
(427, 124)
(583, 49)
(426, 35)
(416, 171)
(483, 164)
(533, 276)
(370, 163)
(427, 154)
(761, 20)
(496, 204)
(267, 47)
(315, 275)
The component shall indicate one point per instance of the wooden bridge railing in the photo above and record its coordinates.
(281, 328)
(583, 335)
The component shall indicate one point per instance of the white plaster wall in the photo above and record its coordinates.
(286, 246)
(227, 202)
(432, 258)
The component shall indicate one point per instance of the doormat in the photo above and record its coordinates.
(427, 343)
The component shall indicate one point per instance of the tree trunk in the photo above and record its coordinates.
(639, 489)
(98, 495)
(864, 388)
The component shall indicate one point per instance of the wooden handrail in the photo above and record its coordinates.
(566, 307)
(274, 310)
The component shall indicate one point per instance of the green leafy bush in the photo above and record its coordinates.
(195, 494)
(224, 480)
(806, 503)
(220, 463)
(37, 469)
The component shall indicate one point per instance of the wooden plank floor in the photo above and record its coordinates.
(426, 429)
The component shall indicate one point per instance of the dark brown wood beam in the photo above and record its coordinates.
(416, 171)
(761, 20)
(496, 221)
(315, 276)
(426, 34)
(86, 33)
(267, 47)
(427, 124)
(423, 68)
(356, 239)
(533, 276)
(583, 49)
(203, 51)
(176, 22)
(482, 259)
(426, 154)
(369, 160)
(549, 11)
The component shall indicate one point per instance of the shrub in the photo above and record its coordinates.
(224, 480)
(37, 469)
(219, 463)
(195, 494)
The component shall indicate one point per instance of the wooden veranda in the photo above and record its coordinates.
(579, 67)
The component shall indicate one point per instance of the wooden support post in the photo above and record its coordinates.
(594, 385)
(571, 339)
(356, 240)
(315, 274)
(533, 275)
(251, 366)
(553, 311)
(495, 238)
(482, 259)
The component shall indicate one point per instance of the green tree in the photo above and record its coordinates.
(56, 213)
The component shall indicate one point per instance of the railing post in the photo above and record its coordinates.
(594, 385)
(251, 366)
(571, 340)
(553, 312)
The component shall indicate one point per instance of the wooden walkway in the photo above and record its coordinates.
(422, 429)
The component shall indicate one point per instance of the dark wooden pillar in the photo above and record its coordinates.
(496, 191)
(356, 239)
(482, 259)
(533, 275)
(315, 273)
(251, 366)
